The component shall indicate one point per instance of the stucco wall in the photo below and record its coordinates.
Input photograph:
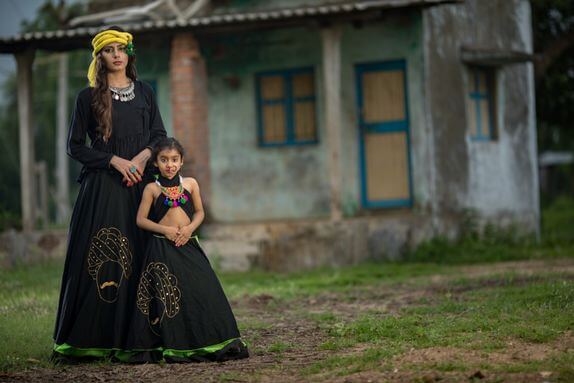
(496, 178)
(397, 36)
(250, 182)
(254, 183)
(153, 64)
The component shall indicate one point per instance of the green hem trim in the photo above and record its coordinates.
(125, 355)
(69, 350)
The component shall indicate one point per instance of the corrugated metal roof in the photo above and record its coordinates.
(36, 39)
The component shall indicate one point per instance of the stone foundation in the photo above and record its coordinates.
(18, 248)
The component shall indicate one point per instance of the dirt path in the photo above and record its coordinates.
(284, 339)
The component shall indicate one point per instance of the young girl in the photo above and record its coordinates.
(182, 313)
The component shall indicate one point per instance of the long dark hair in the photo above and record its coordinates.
(101, 95)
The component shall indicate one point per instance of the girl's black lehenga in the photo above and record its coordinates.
(182, 312)
(101, 271)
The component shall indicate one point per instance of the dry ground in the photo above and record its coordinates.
(285, 338)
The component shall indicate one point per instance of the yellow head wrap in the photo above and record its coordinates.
(101, 40)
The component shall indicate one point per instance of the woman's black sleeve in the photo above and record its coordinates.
(157, 130)
(77, 148)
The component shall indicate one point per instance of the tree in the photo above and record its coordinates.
(553, 28)
(50, 16)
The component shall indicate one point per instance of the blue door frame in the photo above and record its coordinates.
(382, 128)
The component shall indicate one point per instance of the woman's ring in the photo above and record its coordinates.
(133, 169)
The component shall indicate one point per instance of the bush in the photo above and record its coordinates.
(9, 220)
(493, 243)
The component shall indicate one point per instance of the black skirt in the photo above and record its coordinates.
(182, 313)
(101, 271)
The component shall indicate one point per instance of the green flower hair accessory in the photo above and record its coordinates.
(130, 50)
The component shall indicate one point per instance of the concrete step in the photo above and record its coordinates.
(231, 254)
(239, 232)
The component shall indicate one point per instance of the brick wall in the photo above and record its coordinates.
(188, 81)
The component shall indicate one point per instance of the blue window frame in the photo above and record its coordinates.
(286, 107)
(378, 126)
(481, 104)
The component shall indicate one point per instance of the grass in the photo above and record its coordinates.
(470, 314)
(296, 285)
(28, 304)
(279, 347)
(29, 299)
(483, 319)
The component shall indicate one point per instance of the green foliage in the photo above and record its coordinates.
(558, 222)
(553, 20)
(9, 155)
(45, 74)
(9, 220)
(52, 16)
(494, 244)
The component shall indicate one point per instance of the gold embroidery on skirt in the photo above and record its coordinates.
(158, 295)
(109, 262)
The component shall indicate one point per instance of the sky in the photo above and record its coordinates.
(12, 13)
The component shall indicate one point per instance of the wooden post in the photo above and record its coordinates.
(24, 62)
(41, 177)
(62, 179)
(331, 38)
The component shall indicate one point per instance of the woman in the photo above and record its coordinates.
(99, 284)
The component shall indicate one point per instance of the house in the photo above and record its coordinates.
(326, 132)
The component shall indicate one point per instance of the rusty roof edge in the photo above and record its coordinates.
(226, 18)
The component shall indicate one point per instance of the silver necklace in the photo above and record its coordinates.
(123, 94)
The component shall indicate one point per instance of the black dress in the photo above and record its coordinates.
(182, 313)
(105, 247)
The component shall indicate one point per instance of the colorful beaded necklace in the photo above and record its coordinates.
(174, 193)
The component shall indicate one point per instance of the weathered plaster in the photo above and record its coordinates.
(252, 182)
(444, 28)
(397, 36)
(496, 178)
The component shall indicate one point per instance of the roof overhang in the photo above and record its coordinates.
(493, 57)
(71, 39)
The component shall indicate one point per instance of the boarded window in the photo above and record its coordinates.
(286, 107)
(384, 88)
(387, 166)
(481, 103)
(384, 131)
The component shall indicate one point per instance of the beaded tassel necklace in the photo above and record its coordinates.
(174, 195)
